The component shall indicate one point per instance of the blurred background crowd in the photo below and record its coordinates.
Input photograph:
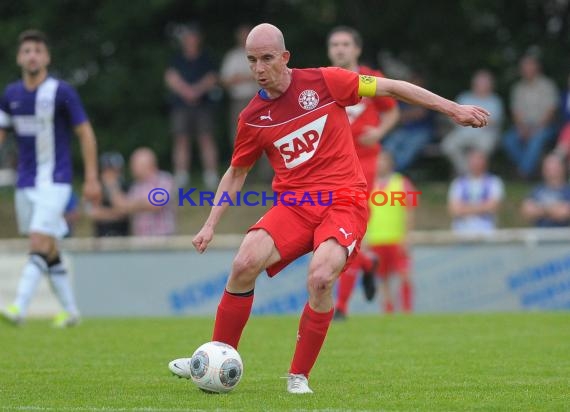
(164, 82)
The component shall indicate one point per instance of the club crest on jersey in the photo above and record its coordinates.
(300, 146)
(308, 99)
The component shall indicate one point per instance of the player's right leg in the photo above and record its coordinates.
(36, 264)
(255, 254)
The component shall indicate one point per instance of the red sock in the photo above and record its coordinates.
(346, 283)
(231, 317)
(407, 296)
(388, 307)
(313, 328)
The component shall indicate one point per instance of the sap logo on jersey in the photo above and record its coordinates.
(300, 146)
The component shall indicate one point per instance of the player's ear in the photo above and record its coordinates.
(286, 55)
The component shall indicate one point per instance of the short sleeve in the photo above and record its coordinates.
(342, 84)
(246, 149)
(552, 94)
(73, 105)
(5, 120)
(454, 193)
(515, 99)
(534, 194)
(497, 189)
(209, 64)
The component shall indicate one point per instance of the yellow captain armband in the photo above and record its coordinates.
(366, 85)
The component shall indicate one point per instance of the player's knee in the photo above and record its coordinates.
(40, 244)
(321, 278)
(246, 265)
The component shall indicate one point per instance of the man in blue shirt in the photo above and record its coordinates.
(43, 112)
(548, 205)
(191, 78)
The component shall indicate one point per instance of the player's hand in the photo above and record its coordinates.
(203, 238)
(370, 136)
(92, 191)
(474, 116)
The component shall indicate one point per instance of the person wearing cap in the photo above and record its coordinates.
(107, 220)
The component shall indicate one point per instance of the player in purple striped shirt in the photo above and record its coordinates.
(43, 112)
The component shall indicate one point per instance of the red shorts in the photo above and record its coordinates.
(298, 230)
(392, 259)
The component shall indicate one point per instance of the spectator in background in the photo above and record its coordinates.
(387, 234)
(414, 131)
(474, 198)
(456, 144)
(548, 205)
(192, 78)
(146, 218)
(533, 104)
(563, 144)
(236, 77)
(108, 221)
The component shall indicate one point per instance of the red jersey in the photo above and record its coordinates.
(365, 113)
(305, 133)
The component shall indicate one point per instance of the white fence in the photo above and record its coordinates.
(513, 270)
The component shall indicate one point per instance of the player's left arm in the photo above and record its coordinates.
(464, 115)
(88, 142)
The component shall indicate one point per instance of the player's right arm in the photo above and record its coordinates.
(232, 181)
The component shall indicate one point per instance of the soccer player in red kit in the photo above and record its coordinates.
(298, 120)
(370, 120)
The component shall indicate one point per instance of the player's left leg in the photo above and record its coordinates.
(336, 243)
(61, 285)
(327, 263)
(406, 288)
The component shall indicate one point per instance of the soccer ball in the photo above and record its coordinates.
(216, 367)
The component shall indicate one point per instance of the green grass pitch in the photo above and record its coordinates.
(401, 363)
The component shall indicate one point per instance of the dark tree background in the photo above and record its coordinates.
(115, 52)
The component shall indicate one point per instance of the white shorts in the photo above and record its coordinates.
(41, 209)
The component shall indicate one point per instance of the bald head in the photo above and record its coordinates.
(143, 163)
(265, 35)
